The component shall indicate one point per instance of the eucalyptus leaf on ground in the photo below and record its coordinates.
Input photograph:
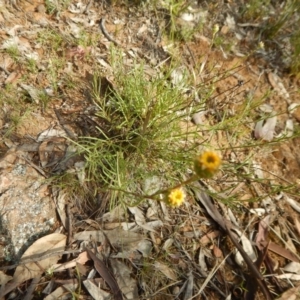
(50, 243)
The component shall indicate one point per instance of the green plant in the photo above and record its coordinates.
(255, 9)
(174, 9)
(141, 134)
(286, 15)
(51, 39)
(14, 53)
(295, 61)
(32, 65)
(55, 67)
(55, 6)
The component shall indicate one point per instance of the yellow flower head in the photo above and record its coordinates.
(207, 164)
(175, 197)
(216, 28)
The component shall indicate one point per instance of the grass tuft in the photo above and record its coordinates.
(141, 130)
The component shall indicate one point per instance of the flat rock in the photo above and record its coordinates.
(26, 210)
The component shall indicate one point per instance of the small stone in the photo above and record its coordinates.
(41, 9)
(224, 29)
(199, 117)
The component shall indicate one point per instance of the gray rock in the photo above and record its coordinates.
(26, 210)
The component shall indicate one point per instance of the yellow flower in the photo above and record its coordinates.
(216, 28)
(175, 197)
(207, 164)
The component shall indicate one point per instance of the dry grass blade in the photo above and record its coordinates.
(106, 275)
(189, 287)
(209, 277)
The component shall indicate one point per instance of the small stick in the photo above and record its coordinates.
(32, 287)
(87, 8)
(5, 71)
(35, 259)
(61, 122)
(106, 34)
(69, 236)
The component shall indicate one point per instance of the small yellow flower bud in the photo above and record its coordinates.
(261, 45)
(216, 28)
(175, 197)
(207, 164)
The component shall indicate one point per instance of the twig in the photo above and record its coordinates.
(106, 34)
(191, 260)
(191, 53)
(69, 226)
(87, 8)
(61, 122)
(5, 71)
(33, 165)
(31, 288)
(36, 258)
(209, 277)
(69, 236)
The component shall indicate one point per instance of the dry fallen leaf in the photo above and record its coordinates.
(291, 294)
(292, 267)
(125, 240)
(138, 215)
(262, 231)
(281, 251)
(189, 287)
(13, 77)
(106, 275)
(127, 284)
(217, 251)
(294, 204)
(82, 258)
(4, 278)
(288, 276)
(52, 150)
(62, 292)
(33, 92)
(207, 238)
(265, 129)
(278, 86)
(247, 246)
(297, 225)
(51, 132)
(202, 261)
(168, 272)
(141, 221)
(49, 243)
(95, 291)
